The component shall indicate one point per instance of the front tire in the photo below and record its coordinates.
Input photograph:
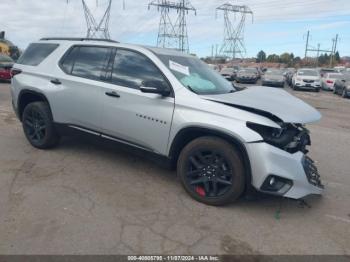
(211, 171)
(38, 125)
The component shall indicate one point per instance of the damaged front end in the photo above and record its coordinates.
(290, 137)
(287, 170)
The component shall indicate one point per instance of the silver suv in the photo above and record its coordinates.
(223, 141)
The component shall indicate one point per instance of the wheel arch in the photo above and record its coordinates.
(188, 134)
(26, 97)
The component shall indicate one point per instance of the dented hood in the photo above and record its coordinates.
(266, 101)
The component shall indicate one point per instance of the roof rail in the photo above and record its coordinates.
(78, 39)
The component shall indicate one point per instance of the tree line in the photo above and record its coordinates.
(291, 60)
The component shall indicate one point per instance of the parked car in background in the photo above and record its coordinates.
(273, 77)
(307, 79)
(289, 75)
(342, 86)
(340, 69)
(6, 64)
(327, 82)
(229, 73)
(214, 67)
(247, 75)
(324, 71)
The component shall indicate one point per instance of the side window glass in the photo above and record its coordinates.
(68, 62)
(132, 70)
(87, 61)
(36, 53)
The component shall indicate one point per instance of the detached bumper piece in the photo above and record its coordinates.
(311, 172)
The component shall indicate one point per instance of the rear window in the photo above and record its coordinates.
(87, 61)
(36, 53)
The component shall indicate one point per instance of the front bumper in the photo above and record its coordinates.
(247, 79)
(267, 160)
(308, 86)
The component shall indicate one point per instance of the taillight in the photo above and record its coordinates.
(329, 82)
(15, 71)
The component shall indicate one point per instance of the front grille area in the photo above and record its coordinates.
(311, 172)
(308, 81)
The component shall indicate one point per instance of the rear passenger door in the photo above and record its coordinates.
(81, 82)
(132, 116)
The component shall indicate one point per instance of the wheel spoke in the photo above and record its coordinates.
(206, 187)
(194, 173)
(28, 123)
(195, 162)
(200, 180)
(223, 182)
(201, 158)
(215, 188)
(225, 173)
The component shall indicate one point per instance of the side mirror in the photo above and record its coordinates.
(343, 80)
(155, 87)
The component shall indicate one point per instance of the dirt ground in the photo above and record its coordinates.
(88, 198)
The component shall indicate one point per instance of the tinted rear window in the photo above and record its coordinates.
(87, 61)
(36, 53)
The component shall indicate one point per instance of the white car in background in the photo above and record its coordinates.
(327, 82)
(307, 79)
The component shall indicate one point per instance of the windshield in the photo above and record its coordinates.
(227, 70)
(335, 76)
(196, 75)
(308, 73)
(274, 72)
(248, 70)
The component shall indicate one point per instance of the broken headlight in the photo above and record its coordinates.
(291, 138)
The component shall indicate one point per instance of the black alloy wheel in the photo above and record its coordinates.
(38, 126)
(211, 171)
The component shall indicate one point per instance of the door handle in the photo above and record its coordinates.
(112, 94)
(56, 82)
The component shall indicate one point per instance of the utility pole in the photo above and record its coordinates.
(308, 48)
(334, 50)
(233, 42)
(318, 54)
(170, 34)
(307, 43)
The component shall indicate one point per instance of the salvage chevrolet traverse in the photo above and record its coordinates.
(221, 140)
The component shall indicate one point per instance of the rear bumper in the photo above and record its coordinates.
(5, 76)
(267, 161)
(273, 83)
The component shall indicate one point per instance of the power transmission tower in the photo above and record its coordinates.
(233, 42)
(309, 48)
(170, 34)
(94, 29)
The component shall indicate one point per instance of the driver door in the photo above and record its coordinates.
(130, 116)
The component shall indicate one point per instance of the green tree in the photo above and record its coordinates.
(261, 57)
(273, 58)
(337, 57)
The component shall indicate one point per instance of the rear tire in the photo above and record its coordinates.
(211, 171)
(344, 95)
(38, 125)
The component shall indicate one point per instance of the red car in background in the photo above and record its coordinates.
(6, 64)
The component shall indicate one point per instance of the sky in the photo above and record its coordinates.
(279, 25)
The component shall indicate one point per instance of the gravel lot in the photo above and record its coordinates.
(89, 198)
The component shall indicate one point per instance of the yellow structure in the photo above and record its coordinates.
(4, 48)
